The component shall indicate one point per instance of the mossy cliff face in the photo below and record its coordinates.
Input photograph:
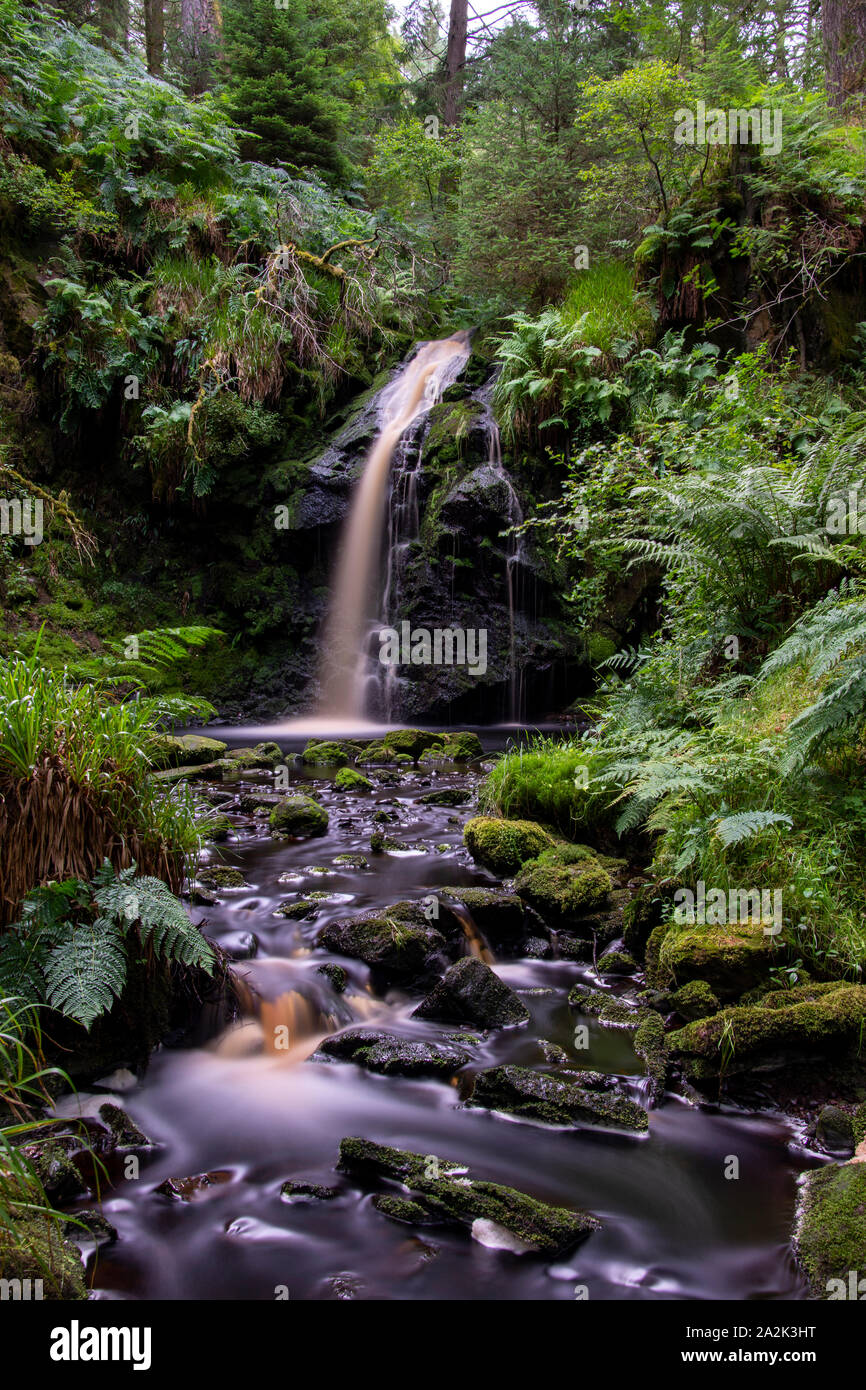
(830, 1234)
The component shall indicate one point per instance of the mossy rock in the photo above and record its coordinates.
(446, 1193)
(731, 958)
(221, 876)
(390, 1055)
(348, 780)
(398, 947)
(457, 748)
(504, 845)
(470, 992)
(616, 963)
(337, 977)
(555, 1100)
(651, 1045)
(787, 1027)
(499, 915)
(219, 829)
(411, 742)
(327, 754)
(248, 759)
(298, 816)
(351, 861)
(830, 1234)
(564, 893)
(195, 748)
(448, 796)
(640, 916)
(695, 1000)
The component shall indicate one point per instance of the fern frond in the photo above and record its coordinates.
(86, 971)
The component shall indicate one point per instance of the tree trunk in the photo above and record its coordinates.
(843, 25)
(154, 35)
(455, 61)
(200, 33)
(113, 18)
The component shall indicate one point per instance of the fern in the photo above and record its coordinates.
(86, 971)
(124, 899)
(742, 826)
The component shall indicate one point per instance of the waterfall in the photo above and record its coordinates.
(354, 596)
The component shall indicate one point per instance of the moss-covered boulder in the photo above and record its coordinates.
(497, 1216)
(730, 958)
(557, 1100)
(218, 829)
(327, 754)
(411, 742)
(397, 948)
(830, 1233)
(349, 780)
(834, 1131)
(785, 1028)
(563, 893)
(695, 1000)
(457, 748)
(221, 876)
(351, 861)
(390, 1055)
(470, 992)
(615, 962)
(640, 916)
(504, 845)
(298, 816)
(195, 748)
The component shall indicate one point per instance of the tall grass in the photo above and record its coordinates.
(74, 786)
(604, 301)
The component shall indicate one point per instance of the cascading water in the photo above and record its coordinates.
(515, 555)
(353, 596)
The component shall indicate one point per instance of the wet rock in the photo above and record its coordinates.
(470, 992)
(219, 829)
(563, 892)
(240, 945)
(89, 1227)
(195, 748)
(125, 1133)
(640, 916)
(295, 1190)
(337, 976)
(403, 1210)
(259, 801)
(834, 1131)
(554, 1099)
(221, 876)
(607, 1008)
(187, 1189)
(650, 1044)
(503, 845)
(398, 949)
(390, 1055)
(382, 816)
(448, 796)
(570, 947)
(188, 773)
(298, 816)
(536, 948)
(500, 915)
(444, 1191)
(617, 963)
(412, 742)
(327, 754)
(380, 843)
(348, 780)
(352, 861)
(55, 1168)
(552, 1052)
(250, 759)
(299, 910)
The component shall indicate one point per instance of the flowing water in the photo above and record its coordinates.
(253, 1112)
(354, 602)
(252, 1117)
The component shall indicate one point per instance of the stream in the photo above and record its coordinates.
(673, 1226)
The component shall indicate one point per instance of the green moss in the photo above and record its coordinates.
(35, 1249)
(221, 876)
(731, 958)
(819, 1022)
(651, 1046)
(563, 893)
(695, 1000)
(640, 916)
(298, 815)
(327, 754)
(412, 742)
(555, 1100)
(348, 780)
(830, 1238)
(503, 845)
